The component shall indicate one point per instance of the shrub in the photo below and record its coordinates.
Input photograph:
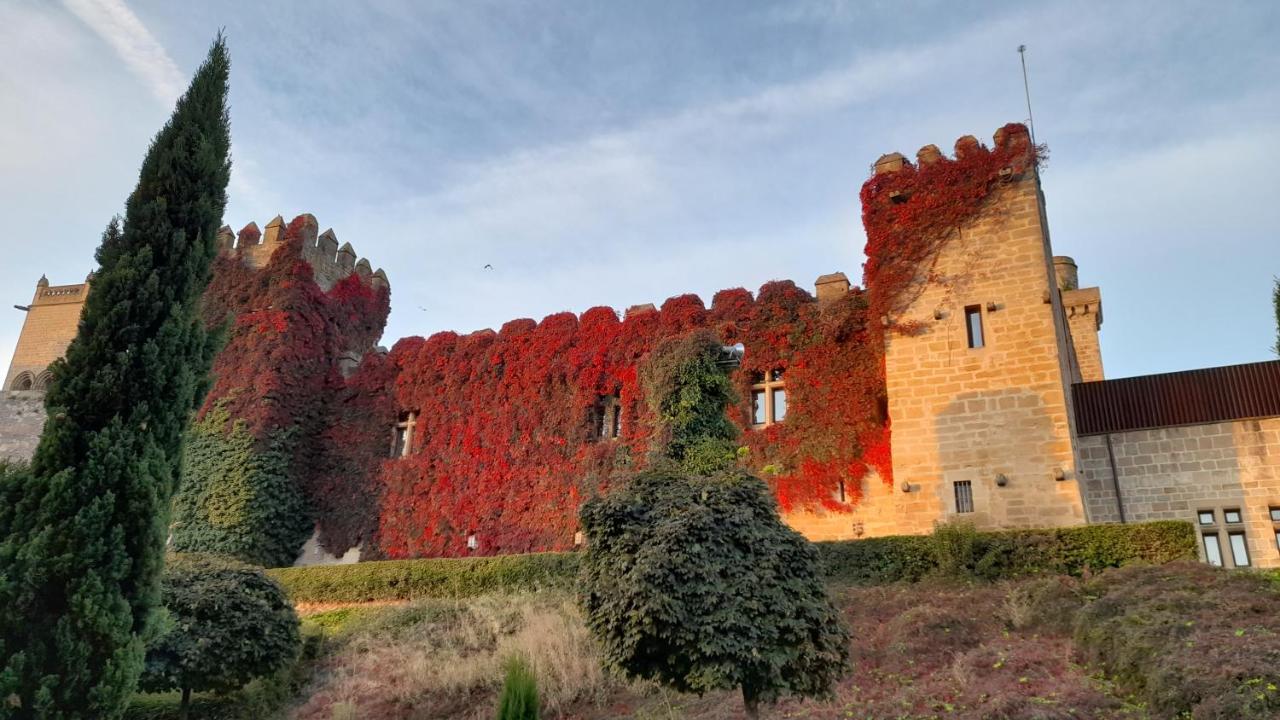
(519, 699)
(697, 583)
(1049, 603)
(1192, 640)
(427, 578)
(1007, 554)
(873, 561)
(227, 624)
(955, 548)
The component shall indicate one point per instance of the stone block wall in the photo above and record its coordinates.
(999, 413)
(1083, 308)
(51, 323)
(21, 420)
(1174, 473)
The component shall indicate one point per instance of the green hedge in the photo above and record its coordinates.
(1012, 553)
(427, 577)
(995, 555)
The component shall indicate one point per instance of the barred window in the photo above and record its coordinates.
(964, 496)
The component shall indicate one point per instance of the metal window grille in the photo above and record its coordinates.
(964, 496)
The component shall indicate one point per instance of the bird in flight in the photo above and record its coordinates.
(488, 266)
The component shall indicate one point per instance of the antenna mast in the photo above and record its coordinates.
(1026, 88)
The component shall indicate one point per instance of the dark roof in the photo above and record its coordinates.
(1191, 397)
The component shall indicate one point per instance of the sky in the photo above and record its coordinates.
(613, 153)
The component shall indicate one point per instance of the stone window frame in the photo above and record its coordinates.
(1223, 530)
(763, 386)
(23, 382)
(402, 434)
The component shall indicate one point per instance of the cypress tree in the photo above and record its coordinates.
(82, 530)
(1275, 300)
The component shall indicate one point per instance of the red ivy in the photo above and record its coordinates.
(506, 443)
(279, 372)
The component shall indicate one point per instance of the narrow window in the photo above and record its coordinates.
(1275, 514)
(473, 543)
(402, 434)
(768, 398)
(1212, 553)
(1231, 517)
(608, 417)
(1278, 539)
(973, 323)
(964, 496)
(1206, 517)
(840, 496)
(1239, 549)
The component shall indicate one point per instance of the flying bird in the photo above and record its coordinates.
(488, 267)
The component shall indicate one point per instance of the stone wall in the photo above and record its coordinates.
(21, 420)
(1174, 473)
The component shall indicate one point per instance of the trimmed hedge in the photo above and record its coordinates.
(427, 577)
(874, 561)
(1013, 553)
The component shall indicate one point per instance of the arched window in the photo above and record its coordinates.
(42, 381)
(24, 381)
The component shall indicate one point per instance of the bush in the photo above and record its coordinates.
(227, 624)
(519, 699)
(1192, 640)
(427, 578)
(1006, 554)
(696, 583)
(873, 561)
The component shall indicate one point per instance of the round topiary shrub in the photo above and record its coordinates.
(696, 583)
(227, 624)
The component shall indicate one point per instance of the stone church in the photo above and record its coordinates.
(997, 399)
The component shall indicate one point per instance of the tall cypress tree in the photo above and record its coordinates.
(82, 531)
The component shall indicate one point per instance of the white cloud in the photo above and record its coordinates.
(115, 23)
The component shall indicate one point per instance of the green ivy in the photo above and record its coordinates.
(689, 392)
(237, 499)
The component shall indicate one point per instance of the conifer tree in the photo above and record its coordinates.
(82, 530)
(1275, 300)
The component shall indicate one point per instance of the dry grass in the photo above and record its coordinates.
(442, 658)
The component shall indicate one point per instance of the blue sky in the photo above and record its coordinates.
(619, 153)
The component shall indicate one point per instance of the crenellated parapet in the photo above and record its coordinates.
(1011, 143)
(328, 261)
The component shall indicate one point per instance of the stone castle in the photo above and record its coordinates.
(999, 408)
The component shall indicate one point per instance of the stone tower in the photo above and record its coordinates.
(978, 392)
(52, 319)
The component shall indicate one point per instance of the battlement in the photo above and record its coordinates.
(328, 261)
(1011, 142)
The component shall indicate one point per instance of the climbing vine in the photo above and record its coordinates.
(280, 408)
(512, 430)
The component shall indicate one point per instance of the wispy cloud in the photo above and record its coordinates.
(114, 22)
